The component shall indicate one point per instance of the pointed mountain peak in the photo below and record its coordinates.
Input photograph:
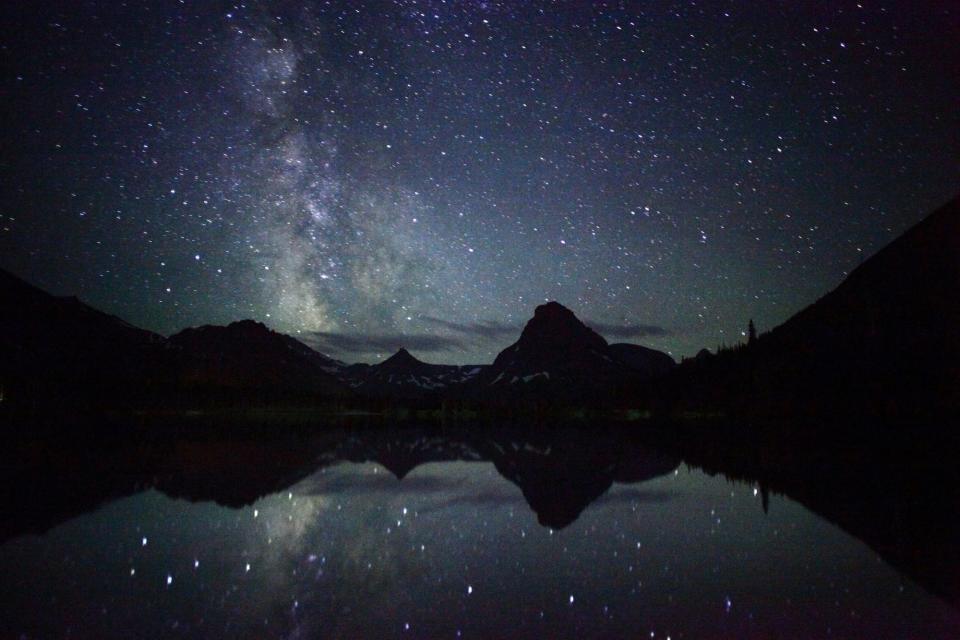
(553, 344)
(401, 358)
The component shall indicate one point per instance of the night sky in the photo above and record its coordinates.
(365, 175)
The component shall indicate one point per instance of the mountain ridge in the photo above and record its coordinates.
(884, 342)
(248, 354)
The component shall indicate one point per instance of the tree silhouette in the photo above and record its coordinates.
(751, 332)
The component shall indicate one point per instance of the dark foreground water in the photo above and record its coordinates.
(414, 535)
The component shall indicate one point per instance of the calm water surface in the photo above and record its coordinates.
(455, 549)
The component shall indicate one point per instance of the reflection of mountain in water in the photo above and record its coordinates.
(559, 474)
(901, 500)
(898, 493)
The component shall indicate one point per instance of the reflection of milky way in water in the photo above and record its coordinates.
(454, 549)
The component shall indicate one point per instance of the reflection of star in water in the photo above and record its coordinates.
(352, 551)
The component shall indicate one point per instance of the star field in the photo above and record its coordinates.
(428, 172)
(454, 551)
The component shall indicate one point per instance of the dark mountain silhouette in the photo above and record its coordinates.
(59, 353)
(247, 355)
(884, 343)
(60, 350)
(404, 376)
(402, 360)
(559, 474)
(553, 343)
(889, 332)
(558, 356)
(644, 360)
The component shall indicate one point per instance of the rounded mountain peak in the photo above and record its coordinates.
(554, 309)
(248, 325)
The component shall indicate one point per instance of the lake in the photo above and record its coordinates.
(421, 534)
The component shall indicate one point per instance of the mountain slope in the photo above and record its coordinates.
(60, 349)
(644, 360)
(890, 333)
(885, 342)
(404, 376)
(247, 355)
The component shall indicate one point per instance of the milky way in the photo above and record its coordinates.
(366, 175)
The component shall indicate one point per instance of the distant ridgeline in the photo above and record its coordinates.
(885, 343)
